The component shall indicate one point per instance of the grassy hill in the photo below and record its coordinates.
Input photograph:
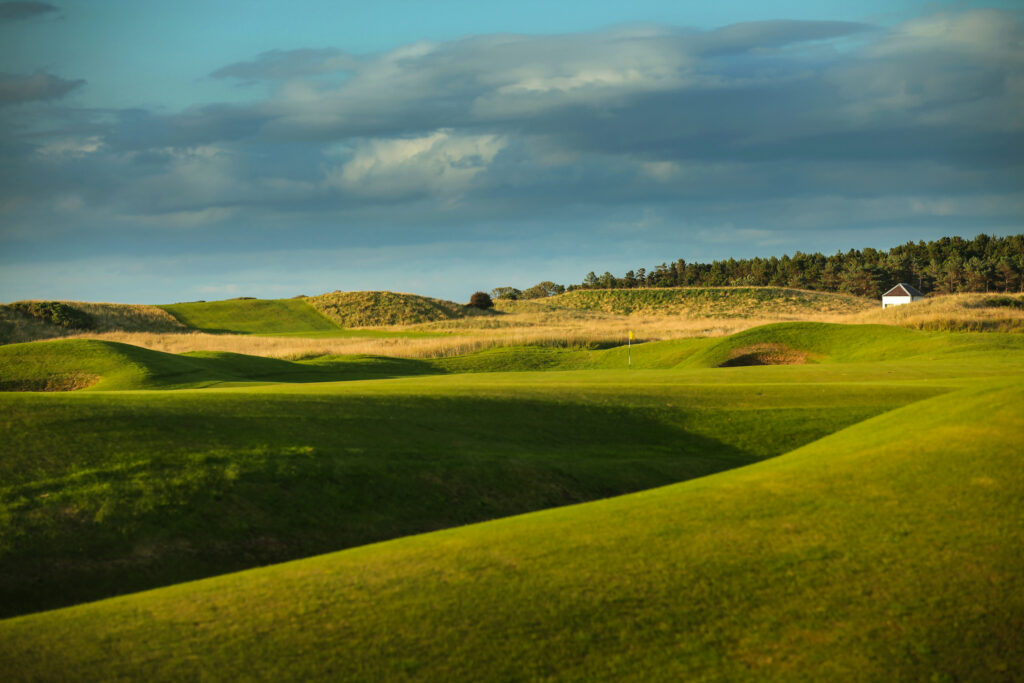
(704, 302)
(369, 309)
(890, 550)
(252, 316)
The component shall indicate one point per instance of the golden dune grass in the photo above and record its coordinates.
(460, 341)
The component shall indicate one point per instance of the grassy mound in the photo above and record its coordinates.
(699, 302)
(369, 309)
(252, 316)
(54, 365)
(889, 550)
(830, 343)
(25, 321)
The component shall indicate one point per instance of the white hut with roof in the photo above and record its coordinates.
(901, 294)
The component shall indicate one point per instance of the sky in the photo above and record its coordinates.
(174, 151)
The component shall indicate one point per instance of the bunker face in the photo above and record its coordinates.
(765, 354)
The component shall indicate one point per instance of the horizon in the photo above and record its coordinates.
(156, 154)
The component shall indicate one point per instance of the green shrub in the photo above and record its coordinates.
(1004, 302)
(481, 300)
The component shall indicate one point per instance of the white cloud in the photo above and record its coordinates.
(980, 33)
(442, 163)
(70, 147)
(662, 171)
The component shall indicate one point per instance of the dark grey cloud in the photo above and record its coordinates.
(285, 64)
(38, 86)
(14, 11)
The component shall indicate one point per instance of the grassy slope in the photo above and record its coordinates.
(106, 492)
(891, 550)
(33, 366)
(743, 302)
(252, 316)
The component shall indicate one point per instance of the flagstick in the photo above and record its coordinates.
(629, 352)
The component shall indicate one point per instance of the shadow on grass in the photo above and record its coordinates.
(167, 488)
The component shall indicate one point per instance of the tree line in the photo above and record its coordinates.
(943, 266)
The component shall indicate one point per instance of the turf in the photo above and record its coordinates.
(252, 316)
(891, 550)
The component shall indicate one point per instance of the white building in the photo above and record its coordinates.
(901, 294)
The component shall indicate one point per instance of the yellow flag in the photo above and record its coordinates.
(631, 335)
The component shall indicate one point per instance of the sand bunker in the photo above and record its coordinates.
(765, 354)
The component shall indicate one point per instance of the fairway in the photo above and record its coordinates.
(170, 468)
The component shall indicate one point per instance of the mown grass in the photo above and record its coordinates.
(891, 550)
(109, 492)
(252, 316)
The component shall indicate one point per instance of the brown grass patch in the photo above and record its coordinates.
(765, 354)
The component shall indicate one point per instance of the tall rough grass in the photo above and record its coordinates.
(461, 341)
(366, 309)
(698, 302)
(16, 327)
(955, 312)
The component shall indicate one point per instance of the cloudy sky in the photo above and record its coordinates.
(153, 152)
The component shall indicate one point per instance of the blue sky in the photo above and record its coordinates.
(158, 152)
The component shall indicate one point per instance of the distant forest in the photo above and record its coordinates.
(944, 266)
